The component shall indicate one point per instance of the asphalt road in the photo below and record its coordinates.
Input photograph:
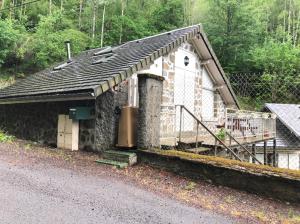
(48, 194)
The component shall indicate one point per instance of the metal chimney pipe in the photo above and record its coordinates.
(68, 47)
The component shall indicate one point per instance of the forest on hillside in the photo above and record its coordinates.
(249, 36)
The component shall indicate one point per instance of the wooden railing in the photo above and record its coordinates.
(255, 126)
(217, 139)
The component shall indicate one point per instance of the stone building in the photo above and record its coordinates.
(99, 82)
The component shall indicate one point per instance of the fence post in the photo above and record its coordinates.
(231, 128)
(215, 147)
(274, 153)
(180, 123)
(265, 153)
(197, 134)
(253, 152)
(263, 128)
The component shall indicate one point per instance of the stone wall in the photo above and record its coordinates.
(167, 107)
(38, 121)
(150, 94)
(198, 89)
(108, 108)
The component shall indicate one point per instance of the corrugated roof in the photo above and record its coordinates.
(288, 114)
(95, 71)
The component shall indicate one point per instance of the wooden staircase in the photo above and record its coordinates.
(119, 159)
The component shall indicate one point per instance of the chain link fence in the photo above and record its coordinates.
(280, 95)
(269, 116)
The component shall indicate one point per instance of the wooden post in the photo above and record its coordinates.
(253, 152)
(180, 123)
(215, 147)
(274, 153)
(236, 151)
(197, 134)
(230, 140)
(265, 153)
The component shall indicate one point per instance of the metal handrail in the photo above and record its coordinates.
(251, 154)
(208, 130)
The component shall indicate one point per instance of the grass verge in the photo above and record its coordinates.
(6, 138)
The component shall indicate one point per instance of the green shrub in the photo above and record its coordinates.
(4, 137)
(6, 81)
(221, 134)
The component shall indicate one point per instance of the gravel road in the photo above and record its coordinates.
(43, 193)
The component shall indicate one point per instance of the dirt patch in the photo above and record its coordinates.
(249, 208)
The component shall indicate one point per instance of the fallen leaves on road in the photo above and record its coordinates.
(249, 208)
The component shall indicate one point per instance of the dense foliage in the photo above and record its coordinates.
(248, 36)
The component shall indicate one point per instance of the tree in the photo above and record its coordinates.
(169, 15)
(276, 57)
(233, 29)
(47, 44)
(10, 36)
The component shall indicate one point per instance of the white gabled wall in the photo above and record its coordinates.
(192, 86)
(133, 95)
(184, 87)
(189, 85)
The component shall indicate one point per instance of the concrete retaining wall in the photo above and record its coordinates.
(270, 185)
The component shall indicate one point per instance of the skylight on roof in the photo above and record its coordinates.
(60, 67)
(107, 50)
(103, 59)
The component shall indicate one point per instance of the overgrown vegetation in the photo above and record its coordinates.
(256, 36)
(6, 138)
(221, 134)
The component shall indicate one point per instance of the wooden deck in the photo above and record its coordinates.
(210, 141)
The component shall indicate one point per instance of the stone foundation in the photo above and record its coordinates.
(38, 121)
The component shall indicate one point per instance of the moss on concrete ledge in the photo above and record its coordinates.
(233, 164)
(272, 182)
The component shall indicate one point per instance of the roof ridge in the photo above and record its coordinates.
(160, 34)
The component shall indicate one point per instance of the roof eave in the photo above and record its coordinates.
(212, 56)
(48, 98)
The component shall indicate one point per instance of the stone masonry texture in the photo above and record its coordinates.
(108, 107)
(168, 111)
(150, 93)
(38, 121)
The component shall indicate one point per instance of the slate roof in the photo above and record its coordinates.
(95, 71)
(288, 114)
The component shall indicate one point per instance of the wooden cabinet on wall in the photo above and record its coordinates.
(68, 133)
